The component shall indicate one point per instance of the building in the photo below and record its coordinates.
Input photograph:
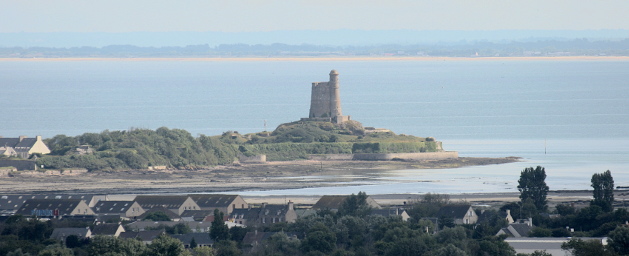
(224, 203)
(521, 228)
(54, 208)
(264, 215)
(62, 233)
(23, 147)
(176, 204)
(108, 229)
(460, 213)
(551, 245)
(392, 212)
(124, 209)
(325, 101)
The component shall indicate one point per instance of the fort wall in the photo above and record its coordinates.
(387, 156)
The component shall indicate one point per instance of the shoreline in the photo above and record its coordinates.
(227, 179)
(332, 58)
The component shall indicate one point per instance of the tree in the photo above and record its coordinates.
(219, 230)
(532, 185)
(107, 245)
(603, 184)
(578, 247)
(355, 205)
(619, 240)
(165, 245)
(157, 216)
(56, 250)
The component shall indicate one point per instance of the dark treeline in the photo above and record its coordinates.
(575, 47)
(137, 149)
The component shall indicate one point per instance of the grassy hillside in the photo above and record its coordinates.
(142, 148)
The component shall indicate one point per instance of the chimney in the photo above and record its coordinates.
(22, 138)
(530, 222)
(264, 205)
(38, 137)
(291, 206)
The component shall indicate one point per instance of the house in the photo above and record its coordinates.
(392, 212)
(196, 215)
(176, 204)
(460, 213)
(23, 147)
(54, 208)
(108, 229)
(125, 209)
(270, 214)
(552, 245)
(201, 239)
(521, 228)
(146, 237)
(151, 225)
(334, 202)
(11, 203)
(264, 215)
(62, 233)
(224, 203)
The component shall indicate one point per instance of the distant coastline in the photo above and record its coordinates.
(334, 58)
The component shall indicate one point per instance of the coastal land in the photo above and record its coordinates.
(225, 178)
(278, 175)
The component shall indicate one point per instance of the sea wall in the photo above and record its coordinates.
(331, 157)
(407, 156)
(387, 156)
(20, 165)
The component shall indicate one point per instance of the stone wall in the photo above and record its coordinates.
(20, 165)
(331, 157)
(407, 156)
(387, 156)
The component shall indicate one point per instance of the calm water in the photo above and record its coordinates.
(576, 111)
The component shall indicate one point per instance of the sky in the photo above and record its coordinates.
(120, 16)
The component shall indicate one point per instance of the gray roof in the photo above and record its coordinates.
(145, 236)
(108, 229)
(213, 200)
(522, 229)
(112, 206)
(62, 233)
(453, 210)
(329, 202)
(14, 202)
(170, 202)
(197, 215)
(272, 210)
(199, 238)
(16, 143)
(47, 207)
(249, 214)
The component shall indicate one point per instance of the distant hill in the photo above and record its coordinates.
(301, 37)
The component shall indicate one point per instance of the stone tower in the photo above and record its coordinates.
(325, 102)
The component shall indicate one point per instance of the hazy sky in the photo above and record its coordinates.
(271, 15)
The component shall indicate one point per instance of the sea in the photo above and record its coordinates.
(570, 116)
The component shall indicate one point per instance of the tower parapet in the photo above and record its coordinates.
(325, 101)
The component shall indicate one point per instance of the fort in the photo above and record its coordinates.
(325, 102)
